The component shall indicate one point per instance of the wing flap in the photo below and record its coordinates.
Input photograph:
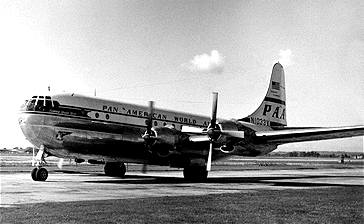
(288, 135)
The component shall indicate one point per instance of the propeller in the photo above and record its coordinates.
(211, 129)
(148, 135)
(211, 133)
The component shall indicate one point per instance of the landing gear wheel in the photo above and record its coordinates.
(34, 174)
(115, 169)
(41, 174)
(195, 174)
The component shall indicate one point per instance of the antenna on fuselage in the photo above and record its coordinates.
(95, 93)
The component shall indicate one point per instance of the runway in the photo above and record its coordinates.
(67, 186)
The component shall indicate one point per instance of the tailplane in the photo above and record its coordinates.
(272, 111)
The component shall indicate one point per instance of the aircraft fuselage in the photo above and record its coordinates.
(75, 126)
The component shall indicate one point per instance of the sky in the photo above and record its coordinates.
(177, 53)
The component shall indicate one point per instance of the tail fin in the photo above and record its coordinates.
(272, 111)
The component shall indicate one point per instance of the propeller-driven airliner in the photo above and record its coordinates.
(114, 133)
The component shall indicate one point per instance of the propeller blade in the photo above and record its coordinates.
(150, 117)
(214, 110)
(208, 165)
(211, 131)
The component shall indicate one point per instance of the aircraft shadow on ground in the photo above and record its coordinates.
(275, 181)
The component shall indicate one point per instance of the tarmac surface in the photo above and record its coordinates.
(239, 190)
(66, 185)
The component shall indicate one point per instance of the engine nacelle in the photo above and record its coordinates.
(166, 140)
(227, 125)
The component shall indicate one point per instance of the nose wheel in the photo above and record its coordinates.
(39, 174)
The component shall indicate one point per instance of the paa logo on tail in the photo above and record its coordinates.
(272, 111)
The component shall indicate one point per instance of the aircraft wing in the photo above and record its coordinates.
(290, 135)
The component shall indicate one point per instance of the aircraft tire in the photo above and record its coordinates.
(41, 174)
(122, 170)
(114, 169)
(195, 174)
(34, 174)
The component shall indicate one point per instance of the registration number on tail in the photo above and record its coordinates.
(259, 121)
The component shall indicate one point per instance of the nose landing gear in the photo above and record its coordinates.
(39, 173)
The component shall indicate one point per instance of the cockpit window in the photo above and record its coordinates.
(32, 102)
(39, 106)
(39, 103)
(48, 104)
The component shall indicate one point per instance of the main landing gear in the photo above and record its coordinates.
(115, 169)
(39, 174)
(195, 174)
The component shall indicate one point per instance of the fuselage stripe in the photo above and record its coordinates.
(269, 99)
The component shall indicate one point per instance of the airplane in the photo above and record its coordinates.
(113, 133)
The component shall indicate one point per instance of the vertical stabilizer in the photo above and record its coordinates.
(272, 111)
